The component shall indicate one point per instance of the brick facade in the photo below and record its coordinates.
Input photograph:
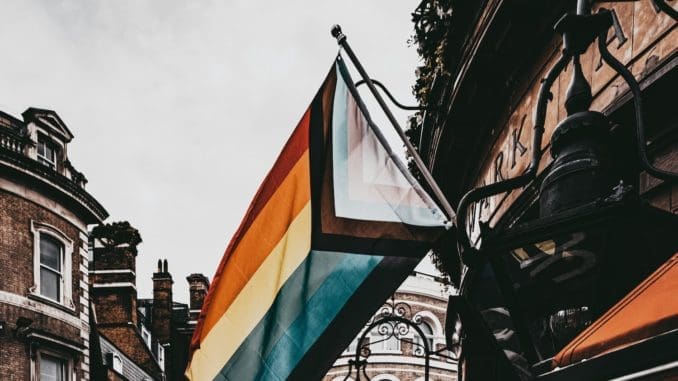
(123, 320)
(113, 282)
(198, 286)
(38, 202)
(114, 298)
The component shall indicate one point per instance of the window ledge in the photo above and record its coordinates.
(386, 352)
(52, 303)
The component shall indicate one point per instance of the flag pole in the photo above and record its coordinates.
(341, 40)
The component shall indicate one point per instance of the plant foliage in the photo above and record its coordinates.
(432, 22)
(116, 234)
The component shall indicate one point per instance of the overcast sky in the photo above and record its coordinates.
(179, 108)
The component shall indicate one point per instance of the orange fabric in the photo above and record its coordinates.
(264, 233)
(650, 309)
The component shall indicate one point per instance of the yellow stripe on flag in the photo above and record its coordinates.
(255, 299)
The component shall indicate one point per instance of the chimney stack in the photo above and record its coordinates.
(161, 320)
(198, 286)
(113, 273)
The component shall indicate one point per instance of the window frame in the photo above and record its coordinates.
(437, 331)
(47, 143)
(146, 336)
(45, 267)
(161, 356)
(379, 347)
(66, 292)
(116, 362)
(430, 338)
(67, 361)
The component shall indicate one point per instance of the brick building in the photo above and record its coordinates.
(44, 217)
(395, 352)
(138, 339)
(69, 308)
(115, 321)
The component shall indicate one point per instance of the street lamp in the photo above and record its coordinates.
(593, 239)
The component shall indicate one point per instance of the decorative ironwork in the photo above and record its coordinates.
(395, 101)
(662, 6)
(394, 320)
(578, 31)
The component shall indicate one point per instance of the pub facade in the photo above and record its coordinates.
(552, 126)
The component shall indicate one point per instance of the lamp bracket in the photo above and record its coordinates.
(579, 31)
(662, 6)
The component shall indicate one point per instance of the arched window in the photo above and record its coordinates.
(430, 326)
(429, 335)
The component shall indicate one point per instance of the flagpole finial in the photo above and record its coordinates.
(337, 33)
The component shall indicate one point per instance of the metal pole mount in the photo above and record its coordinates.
(440, 196)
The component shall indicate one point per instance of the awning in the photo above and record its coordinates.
(647, 311)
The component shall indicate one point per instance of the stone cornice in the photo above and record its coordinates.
(14, 163)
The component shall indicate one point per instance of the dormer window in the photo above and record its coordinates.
(46, 152)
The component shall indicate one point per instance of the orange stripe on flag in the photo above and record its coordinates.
(264, 233)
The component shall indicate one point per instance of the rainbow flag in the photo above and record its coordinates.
(334, 229)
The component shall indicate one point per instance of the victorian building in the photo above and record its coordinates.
(389, 350)
(69, 308)
(44, 216)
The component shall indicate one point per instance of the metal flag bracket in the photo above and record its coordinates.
(430, 181)
(393, 100)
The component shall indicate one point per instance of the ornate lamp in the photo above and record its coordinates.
(593, 239)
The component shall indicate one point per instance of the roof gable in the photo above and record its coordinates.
(49, 120)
